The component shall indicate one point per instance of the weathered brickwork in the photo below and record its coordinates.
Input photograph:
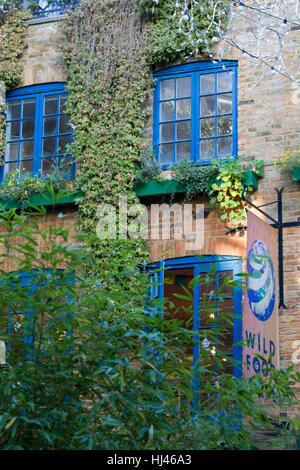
(42, 57)
(268, 125)
(53, 218)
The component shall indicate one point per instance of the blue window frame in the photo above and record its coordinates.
(195, 113)
(20, 324)
(219, 267)
(38, 131)
(46, 8)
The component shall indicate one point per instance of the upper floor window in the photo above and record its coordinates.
(38, 131)
(195, 113)
(46, 8)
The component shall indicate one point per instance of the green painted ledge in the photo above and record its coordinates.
(41, 199)
(296, 173)
(154, 188)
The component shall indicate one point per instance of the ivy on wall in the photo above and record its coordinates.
(108, 80)
(12, 31)
(168, 41)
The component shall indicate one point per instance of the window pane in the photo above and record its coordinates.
(27, 128)
(207, 149)
(227, 366)
(50, 125)
(208, 313)
(207, 127)
(224, 103)
(225, 311)
(207, 281)
(65, 164)
(12, 130)
(62, 102)
(13, 110)
(225, 125)
(10, 168)
(64, 124)
(226, 338)
(183, 151)
(225, 147)
(167, 111)
(183, 130)
(224, 81)
(166, 132)
(63, 142)
(207, 105)
(183, 87)
(29, 108)
(183, 109)
(166, 153)
(48, 165)
(223, 278)
(49, 146)
(167, 89)
(27, 149)
(11, 152)
(50, 104)
(26, 167)
(207, 84)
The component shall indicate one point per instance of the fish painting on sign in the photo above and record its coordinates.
(261, 286)
(260, 309)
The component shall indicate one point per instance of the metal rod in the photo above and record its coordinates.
(257, 208)
(280, 249)
(268, 204)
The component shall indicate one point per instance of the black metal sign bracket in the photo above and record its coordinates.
(279, 225)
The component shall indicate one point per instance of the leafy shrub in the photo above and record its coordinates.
(87, 368)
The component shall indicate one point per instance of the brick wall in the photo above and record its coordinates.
(42, 57)
(268, 123)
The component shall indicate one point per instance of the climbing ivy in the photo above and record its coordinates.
(172, 39)
(108, 80)
(109, 50)
(12, 29)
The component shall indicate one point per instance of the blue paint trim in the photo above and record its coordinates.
(27, 281)
(39, 93)
(200, 263)
(195, 70)
(33, 89)
(53, 8)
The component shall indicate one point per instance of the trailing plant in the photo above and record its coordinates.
(21, 189)
(288, 161)
(148, 169)
(108, 81)
(168, 42)
(197, 179)
(12, 31)
(223, 181)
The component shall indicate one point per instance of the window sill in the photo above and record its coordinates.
(155, 188)
(296, 173)
(40, 199)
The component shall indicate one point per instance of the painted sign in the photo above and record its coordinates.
(260, 311)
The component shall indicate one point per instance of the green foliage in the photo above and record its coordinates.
(12, 30)
(223, 180)
(197, 179)
(94, 379)
(109, 82)
(148, 169)
(20, 190)
(168, 41)
(288, 161)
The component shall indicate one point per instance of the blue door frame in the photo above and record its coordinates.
(202, 264)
